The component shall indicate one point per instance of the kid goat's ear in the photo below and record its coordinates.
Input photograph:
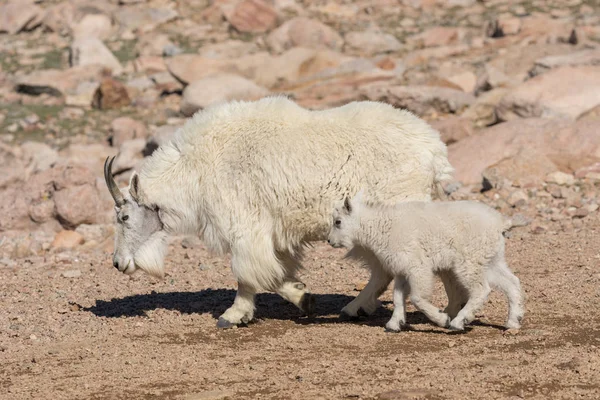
(347, 205)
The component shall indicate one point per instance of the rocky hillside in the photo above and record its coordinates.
(513, 87)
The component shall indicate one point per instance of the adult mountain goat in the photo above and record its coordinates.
(258, 179)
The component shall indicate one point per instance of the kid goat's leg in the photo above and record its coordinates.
(401, 290)
(478, 288)
(421, 286)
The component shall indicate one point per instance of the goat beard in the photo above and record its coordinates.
(150, 257)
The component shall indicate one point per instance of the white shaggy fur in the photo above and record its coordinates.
(413, 241)
(258, 179)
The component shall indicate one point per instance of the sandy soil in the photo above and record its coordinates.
(103, 335)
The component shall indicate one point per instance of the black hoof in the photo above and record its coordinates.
(222, 323)
(448, 320)
(307, 304)
(362, 313)
(347, 317)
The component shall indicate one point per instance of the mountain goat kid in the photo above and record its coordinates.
(414, 241)
(258, 179)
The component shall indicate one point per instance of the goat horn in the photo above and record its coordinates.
(110, 182)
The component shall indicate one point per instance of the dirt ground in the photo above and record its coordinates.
(103, 335)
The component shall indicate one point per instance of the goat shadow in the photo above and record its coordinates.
(216, 301)
(269, 306)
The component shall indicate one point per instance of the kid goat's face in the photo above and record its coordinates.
(344, 225)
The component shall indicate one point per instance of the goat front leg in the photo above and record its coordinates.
(366, 302)
(242, 310)
(401, 291)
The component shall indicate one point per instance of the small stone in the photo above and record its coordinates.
(359, 286)
(32, 337)
(451, 344)
(73, 273)
(581, 212)
(518, 198)
(560, 178)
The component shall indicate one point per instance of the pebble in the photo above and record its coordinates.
(73, 273)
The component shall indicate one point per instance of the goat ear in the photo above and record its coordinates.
(347, 205)
(134, 187)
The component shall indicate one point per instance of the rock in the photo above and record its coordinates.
(466, 81)
(517, 198)
(18, 15)
(149, 64)
(524, 169)
(370, 42)
(579, 58)
(73, 273)
(483, 111)
(438, 36)
(493, 78)
(83, 95)
(90, 156)
(38, 156)
(111, 94)
(565, 92)
(97, 26)
(228, 49)
(42, 210)
(91, 51)
(95, 233)
(126, 128)
(130, 153)
(304, 32)
(519, 220)
(254, 16)
(67, 240)
(166, 83)
(190, 67)
(218, 88)
(581, 212)
(453, 128)
(422, 100)
(76, 205)
(141, 19)
(57, 82)
(560, 178)
(566, 144)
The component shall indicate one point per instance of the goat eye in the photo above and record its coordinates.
(125, 217)
(338, 222)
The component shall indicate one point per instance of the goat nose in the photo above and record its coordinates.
(116, 264)
(329, 241)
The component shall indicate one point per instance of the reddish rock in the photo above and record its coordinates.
(564, 92)
(568, 145)
(76, 205)
(453, 128)
(254, 16)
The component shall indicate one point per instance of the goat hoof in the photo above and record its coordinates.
(222, 323)
(344, 316)
(362, 313)
(307, 304)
